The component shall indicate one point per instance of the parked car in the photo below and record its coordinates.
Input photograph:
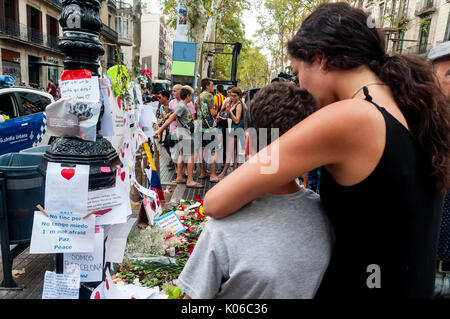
(22, 118)
(158, 86)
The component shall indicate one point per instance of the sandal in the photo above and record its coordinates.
(196, 186)
(215, 181)
(175, 181)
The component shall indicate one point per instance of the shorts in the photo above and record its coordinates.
(206, 142)
(186, 146)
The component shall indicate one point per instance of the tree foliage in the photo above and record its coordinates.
(279, 21)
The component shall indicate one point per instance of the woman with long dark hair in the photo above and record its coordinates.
(381, 135)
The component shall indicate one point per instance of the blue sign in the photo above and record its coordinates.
(184, 51)
(22, 133)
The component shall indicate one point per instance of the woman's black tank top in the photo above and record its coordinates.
(386, 227)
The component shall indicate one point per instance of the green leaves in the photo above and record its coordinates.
(174, 292)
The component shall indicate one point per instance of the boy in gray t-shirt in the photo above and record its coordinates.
(279, 245)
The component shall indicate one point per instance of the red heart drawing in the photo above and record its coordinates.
(107, 284)
(97, 295)
(122, 176)
(68, 173)
(123, 154)
(118, 102)
(158, 202)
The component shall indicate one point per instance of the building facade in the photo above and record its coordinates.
(157, 46)
(29, 31)
(411, 26)
(108, 36)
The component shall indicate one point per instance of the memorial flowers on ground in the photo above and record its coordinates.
(156, 257)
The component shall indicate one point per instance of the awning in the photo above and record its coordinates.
(47, 64)
(183, 68)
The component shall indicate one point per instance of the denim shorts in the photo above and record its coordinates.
(442, 285)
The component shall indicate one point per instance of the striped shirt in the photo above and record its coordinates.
(218, 101)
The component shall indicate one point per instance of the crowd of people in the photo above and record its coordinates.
(370, 134)
(52, 88)
(206, 132)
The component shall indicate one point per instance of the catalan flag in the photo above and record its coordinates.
(155, 183)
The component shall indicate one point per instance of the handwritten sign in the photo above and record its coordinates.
(170, 220)
(62, 232)
(91, 264)
(61, 286)
(66, 188)
(109, 198)
(81, 90)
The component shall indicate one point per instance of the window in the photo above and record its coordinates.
(380, 22)
(447, 30)
(32, 103)
(423, 38)
(401, 36)
(405, 8)
(7, 108)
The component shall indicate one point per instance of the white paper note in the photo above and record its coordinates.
(66, 188)
(117, 241)
(62, 232)
(110, 198)
(81, 90)
(61, 286)
(91, 264)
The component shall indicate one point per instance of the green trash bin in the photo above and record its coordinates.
(25, 189)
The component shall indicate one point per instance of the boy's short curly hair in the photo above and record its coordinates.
(280, 105)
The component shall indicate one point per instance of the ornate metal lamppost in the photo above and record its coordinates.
(81, 24)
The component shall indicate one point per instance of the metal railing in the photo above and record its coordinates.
(22, 32)
(56, 2)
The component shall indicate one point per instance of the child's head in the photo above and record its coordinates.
(280, 105)
(185, 92)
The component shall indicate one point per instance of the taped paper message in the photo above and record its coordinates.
(61, 286)
(66, 188)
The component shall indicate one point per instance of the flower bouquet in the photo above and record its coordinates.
(145, 79)
(156, 258)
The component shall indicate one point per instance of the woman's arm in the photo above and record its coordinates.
(328, 137)
(237, 118)
(172, 118)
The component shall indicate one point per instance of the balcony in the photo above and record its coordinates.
(425, 7)
(55, 3)
(112, 4)
(125, 7)
(125, 40)
(109, 33)
(11, 29)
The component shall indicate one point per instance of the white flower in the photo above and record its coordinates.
(136, 282)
